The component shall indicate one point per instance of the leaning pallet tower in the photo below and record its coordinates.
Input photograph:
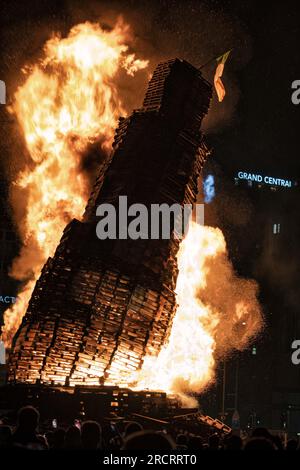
(100, 306)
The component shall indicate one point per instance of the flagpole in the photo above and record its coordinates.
(211, 60)
(208, 62)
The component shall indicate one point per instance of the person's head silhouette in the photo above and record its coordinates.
(91, 435)
(28, 419)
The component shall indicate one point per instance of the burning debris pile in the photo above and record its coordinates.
(100, 307)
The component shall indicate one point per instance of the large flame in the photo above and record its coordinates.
(67, 102)
(212, 318)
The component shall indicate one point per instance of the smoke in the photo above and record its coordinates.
(195, 31)
(279, 276)
(236, 300)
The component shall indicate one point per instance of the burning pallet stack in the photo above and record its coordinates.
(100, 306)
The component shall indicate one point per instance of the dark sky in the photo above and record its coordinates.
(265, 136)
(256, 127)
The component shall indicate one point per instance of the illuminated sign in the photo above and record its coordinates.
(209, 188)
(7, 299)
(264, 179)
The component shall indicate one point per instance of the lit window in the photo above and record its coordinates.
(254, 351)
(276, 229)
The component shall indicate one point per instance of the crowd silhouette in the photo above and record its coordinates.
(29, 433)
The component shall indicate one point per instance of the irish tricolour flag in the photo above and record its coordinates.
(220, 89)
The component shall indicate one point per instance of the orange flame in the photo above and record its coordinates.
(68, 101)
(204, 328)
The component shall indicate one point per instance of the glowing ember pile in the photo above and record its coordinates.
(67, 102)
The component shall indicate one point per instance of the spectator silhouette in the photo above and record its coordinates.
(132, 427)
(50, 438)
(291, 444)
(181, 442)
(213, 442)
(149, 440)
(26, 435)
(259, 443)
(262, 432)
(59, 439)
(91, 435)
(233, 443)
(73, 438)
(195, 443)
(277, 442)
(5, 437)
(113, 438)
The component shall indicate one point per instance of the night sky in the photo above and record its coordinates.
(265, 136)
(256, 128)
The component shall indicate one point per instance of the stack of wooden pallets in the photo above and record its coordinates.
(100, 306)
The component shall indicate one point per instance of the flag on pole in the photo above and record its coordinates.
(220, 89)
